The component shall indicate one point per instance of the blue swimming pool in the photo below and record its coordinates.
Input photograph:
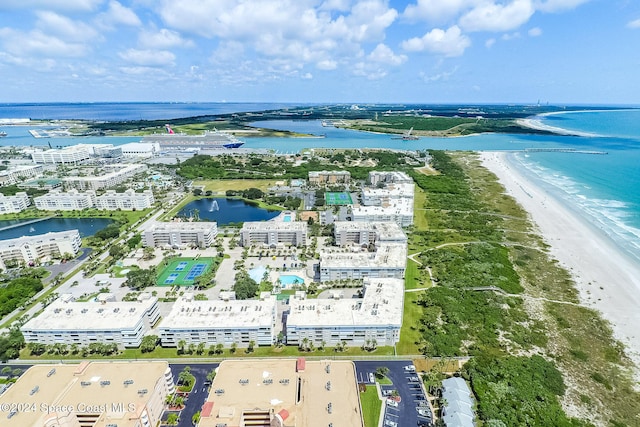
(291, 279)
(286, 218)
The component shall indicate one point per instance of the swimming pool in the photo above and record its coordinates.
(286, 218)
(290, 279)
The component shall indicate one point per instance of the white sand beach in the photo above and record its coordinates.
(607, 278)
(533, 123)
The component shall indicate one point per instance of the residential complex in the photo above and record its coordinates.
(41, 247)
(401, 212)
(329, 177)
(282, 230)
(97, 394)
(71, 200)
(74, 200)
(176, 234)
(377, 316)
(283, 392)
(367, 233)
(83, 323)
(18, 173)
(458, 407)
(388, 260)
(118, 175)
(69, 155)
(386, 177)
(14, 204)
(129, 200)
(225, 322)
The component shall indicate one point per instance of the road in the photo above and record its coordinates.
(199, 393)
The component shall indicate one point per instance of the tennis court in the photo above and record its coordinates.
(333, 199)
(183, 271)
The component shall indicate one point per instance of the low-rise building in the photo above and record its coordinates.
(68, 155)
(41, 247)
(116, 175)
(400, 212)
(386, 177)
(14, 204)
(220, 322)
(367, 233)
(72, 200)
(201, 234)
(375, 319)
(281, 230)
(140, 149)
(283, 392)
(18, 173)
(97, 394)
(83, 323)
(130, 200)
(388, 260)
(329, 177)
(458, 407)
(388, 195)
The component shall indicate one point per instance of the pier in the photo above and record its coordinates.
(33, 221)
(563, 150)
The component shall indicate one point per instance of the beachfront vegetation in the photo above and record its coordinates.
(500, 298)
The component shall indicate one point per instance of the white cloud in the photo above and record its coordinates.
(437, 77)
(448, 43)
(117, 14)
(51, 4)
(40, 44)
(383, 54)
(490, 42)
(363, 69)
(510, 36)
(63, 27)
(307, 76)
(557, 5)
(634, 24)
(327, 64)
(490, 16)
(148, 58)
(437, 10)
(163, 39)
(535, 32)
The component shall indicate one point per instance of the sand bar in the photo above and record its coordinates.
(608, 279)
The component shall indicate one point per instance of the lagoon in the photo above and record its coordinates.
(226, 211)
(86, 226)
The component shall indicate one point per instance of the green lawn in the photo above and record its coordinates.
(409, 334)
(371, 406)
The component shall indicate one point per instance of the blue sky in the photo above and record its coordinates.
(425, 51)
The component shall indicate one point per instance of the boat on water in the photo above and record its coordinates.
(208, 139)
(2, 133)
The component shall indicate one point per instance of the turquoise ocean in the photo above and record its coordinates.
(604, 189)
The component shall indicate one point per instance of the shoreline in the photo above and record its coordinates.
(533, 123)
(607, 278)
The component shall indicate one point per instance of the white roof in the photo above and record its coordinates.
(381, 305)
(388, 255)
(384, 230)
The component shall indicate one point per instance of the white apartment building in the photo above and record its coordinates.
(120, 174)
(366, 233)
(387, 195)
(83, 323)
(329, 177)
(14, 204)
(220, 322)
(201, 234)
(130, 200)
(400, 212)
(41, 247)
(386, 177)
(388, 261)
(377, 316)
(98, 394)
(281, 230)
(72, 200)
(68, 155)
(17, 173)
(140, 149)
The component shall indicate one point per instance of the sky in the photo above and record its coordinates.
(321, 51)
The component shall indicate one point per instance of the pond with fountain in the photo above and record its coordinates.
(225, 211)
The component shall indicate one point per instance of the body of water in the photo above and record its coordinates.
(226, 211)
(85, 226)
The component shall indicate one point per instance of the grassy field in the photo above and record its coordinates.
(220, 186)
(371, 406)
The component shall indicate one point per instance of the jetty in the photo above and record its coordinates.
(563, 150)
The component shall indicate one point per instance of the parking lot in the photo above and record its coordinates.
(411, 409)
(199, 393)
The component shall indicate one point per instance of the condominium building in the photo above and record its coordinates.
(83, 323)
(400, 212)
(367, 233)
(375, 318)
(201, 234)
(96, 394)
(220, 322)
(388, 260)
(118, 175)
(14, 204)
(140, 149)
(282, 230)
(18, 173)
(68, 155)
(388, 195)
(283, 392)
(376, 177)
(72, 200)
(329, 177)
(41, 247)
(130, 200)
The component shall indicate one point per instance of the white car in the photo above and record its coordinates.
(390, 423)
(392, 403)
(410, 368)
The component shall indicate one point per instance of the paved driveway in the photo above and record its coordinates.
(199, 393)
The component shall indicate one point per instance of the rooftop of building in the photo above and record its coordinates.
(384, 230)
(88, 387)
(53, 235)
(181, 226)
(89, 316)
(390, 190)
(313, 393)
(396, 207)
(381, 305)
(189, 314)
(387, 255)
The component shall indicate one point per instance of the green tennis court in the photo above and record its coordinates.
(183, 271)
(333, 199)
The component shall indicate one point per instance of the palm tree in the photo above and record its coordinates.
(181, 345)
